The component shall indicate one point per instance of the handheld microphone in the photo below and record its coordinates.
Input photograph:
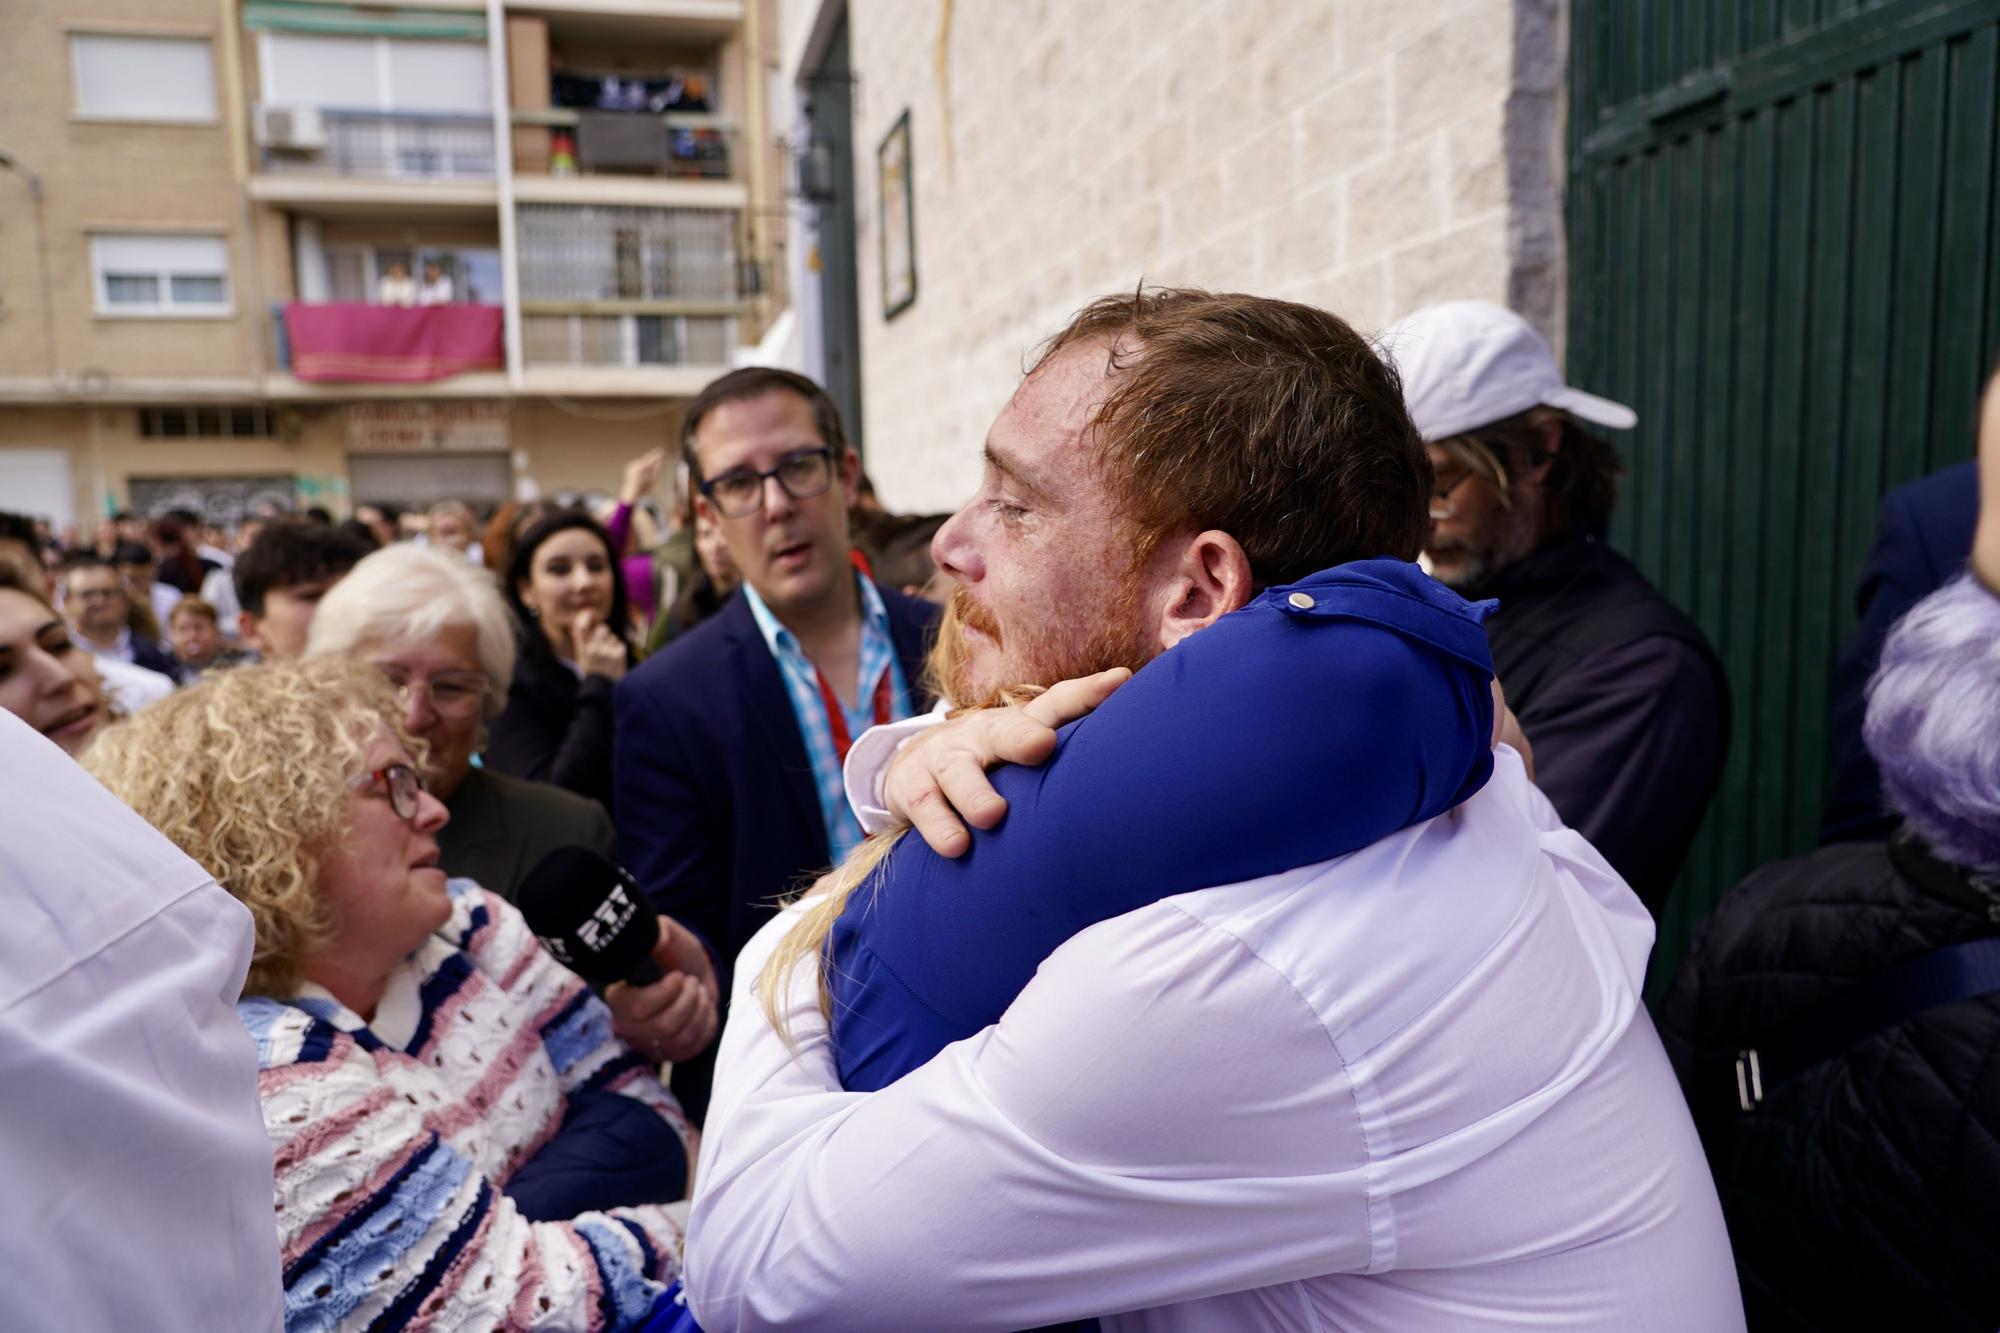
(590, 914)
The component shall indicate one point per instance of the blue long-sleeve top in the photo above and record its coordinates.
(1320, 718)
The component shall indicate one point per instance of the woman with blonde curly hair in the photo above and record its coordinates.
(459, 1137)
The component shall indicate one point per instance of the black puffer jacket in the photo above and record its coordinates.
(1864, 1193)
(1622, 698)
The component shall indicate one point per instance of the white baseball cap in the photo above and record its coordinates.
(1467, 364)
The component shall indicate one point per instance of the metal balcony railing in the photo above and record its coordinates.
(615, 253)
(393, 145)
(583, 338)
(683, 145)
(623, 286)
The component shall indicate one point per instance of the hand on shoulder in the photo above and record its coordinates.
(939, 778)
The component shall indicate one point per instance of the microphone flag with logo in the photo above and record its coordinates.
(590, 913)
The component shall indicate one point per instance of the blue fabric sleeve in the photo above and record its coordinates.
(612, 1151)
(1322, 717)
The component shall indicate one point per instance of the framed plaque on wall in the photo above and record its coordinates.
(897, 209)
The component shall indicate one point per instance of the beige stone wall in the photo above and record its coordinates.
(106, 452)
(1347, 153)
(110, 175)
(584, 446)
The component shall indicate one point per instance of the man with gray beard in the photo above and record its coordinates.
(1618, 691)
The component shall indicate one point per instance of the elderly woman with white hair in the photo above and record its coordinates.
(436, 627)
(1836, 1024)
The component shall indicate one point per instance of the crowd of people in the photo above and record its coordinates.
(1206, 882)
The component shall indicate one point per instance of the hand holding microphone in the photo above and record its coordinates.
(675, 1018)
(653, 972)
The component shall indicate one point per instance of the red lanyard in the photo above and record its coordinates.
(836, 716)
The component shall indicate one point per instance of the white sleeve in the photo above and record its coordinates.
(1073, 1160)
(868, 759)
(137, 1170)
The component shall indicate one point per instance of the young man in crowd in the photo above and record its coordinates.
(727, 780)
(136, 569)
(1618, 691)
(280, 577)
(1398, 1089)
(98, 607)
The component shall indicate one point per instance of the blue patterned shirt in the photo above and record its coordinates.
(878, 655)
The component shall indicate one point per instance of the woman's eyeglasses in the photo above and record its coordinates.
(453, 694)
(402, 784)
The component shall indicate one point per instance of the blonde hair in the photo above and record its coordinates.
(248, 772)
(405, 594)
(809, 936)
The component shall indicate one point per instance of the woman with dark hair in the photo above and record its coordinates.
(563, 585)
(182, 566)
(46, 680)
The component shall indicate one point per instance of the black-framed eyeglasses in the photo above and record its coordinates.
(803, 474)
(404, 785)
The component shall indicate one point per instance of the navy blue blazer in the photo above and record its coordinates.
(713, 795)
(149, 654)
(1923, 539)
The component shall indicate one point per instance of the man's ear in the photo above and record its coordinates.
(1209, 577)
(849, 463)
(246, 633)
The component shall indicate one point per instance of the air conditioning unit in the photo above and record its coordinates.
(299, 129)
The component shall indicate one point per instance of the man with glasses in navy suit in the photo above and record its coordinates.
(727, 767)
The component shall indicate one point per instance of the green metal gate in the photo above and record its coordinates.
(1784, 252)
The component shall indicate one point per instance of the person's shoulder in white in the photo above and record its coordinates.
(164, 597)
(1424, 1062)
(138, 1172)
(132, 687)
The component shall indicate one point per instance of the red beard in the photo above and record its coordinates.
(1038, 657)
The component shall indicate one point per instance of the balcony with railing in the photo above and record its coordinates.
(396, 145)
(611, 288)
(671, 145)
(619, 111)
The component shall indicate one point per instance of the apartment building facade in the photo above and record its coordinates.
(290, 252)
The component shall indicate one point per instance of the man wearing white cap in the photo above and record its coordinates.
(1619, 693)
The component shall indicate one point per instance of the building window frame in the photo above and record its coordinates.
(168, 280)
(81, 109)
(381, 97)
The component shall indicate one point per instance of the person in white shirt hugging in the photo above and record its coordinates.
(1408, 1086)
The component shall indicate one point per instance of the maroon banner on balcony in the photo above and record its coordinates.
(391, 344)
